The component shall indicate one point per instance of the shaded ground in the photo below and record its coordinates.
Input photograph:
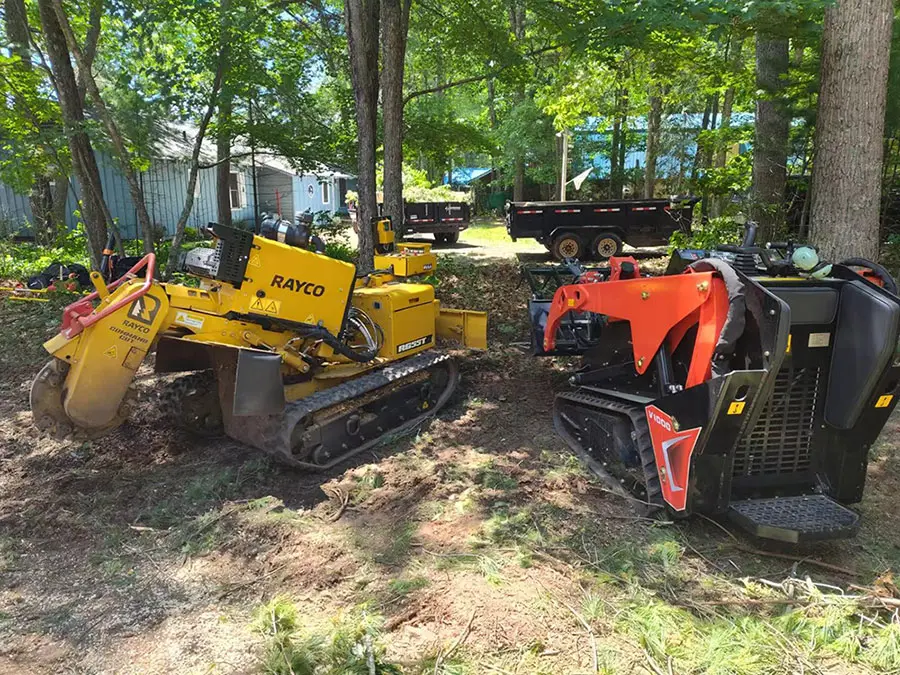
(150, 551)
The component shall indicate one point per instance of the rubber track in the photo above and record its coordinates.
(272, 433)
(643, 444)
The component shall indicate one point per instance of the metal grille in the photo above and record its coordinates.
(805, 514)
(232, 253)
(780, 442)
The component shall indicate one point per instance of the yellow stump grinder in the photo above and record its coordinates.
(289, 351)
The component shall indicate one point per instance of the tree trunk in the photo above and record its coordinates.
(846, 185)
(735, 61)
(175, 250)
(72, 109)
(623, 137)
(41, 197)
(770, 145)
(223, 121)
(519, 180)
(223, 160)
(492, 105)
(654, 126)
(124, 156)
(615, 183)
(394, 26)
(362, 18)
(698, 153)
(517, 28)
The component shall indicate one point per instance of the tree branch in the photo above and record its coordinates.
(224, 160)
(194, 170)
(478, 78)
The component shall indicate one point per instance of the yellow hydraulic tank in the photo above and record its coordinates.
(405, 313)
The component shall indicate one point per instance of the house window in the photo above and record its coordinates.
(235, 190)
(326, 193)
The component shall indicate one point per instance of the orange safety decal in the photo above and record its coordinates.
(672, 449)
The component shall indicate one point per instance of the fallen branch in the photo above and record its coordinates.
(798, 559)
(654, 666)
(456, 645)
(236, 587)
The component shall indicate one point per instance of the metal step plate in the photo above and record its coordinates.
(795, 519)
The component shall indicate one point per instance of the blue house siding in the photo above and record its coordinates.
(304, 202)
(165, 188)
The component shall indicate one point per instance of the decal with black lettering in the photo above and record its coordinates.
(298, 286)
(412, 344)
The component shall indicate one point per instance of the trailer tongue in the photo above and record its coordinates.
(753, 395)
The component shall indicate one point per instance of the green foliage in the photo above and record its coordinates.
(20, 260)
(706, 235)
(350, 645)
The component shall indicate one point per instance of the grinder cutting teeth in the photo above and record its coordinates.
(289, 351)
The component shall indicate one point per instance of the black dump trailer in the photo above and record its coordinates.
(597, 230)
(445, 220)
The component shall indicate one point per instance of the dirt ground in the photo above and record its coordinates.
(478, 541)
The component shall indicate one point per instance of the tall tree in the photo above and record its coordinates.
(394, 28)
(770, 147)
(71, 105)
(362, 19)
(846, 185)
(224, 119)
(41, 196)
(118, 141)
(517, 28)
(654, 126)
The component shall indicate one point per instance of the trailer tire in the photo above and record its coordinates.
(452, 237)
(440, 238)
(567, 245)
(605, 246)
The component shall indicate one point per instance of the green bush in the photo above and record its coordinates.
(707, 235)
(20, 260)
(351, 646)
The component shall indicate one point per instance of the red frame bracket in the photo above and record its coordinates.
(81, 313)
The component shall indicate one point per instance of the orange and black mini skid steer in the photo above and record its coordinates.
(748, 382)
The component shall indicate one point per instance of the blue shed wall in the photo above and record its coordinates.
(302, 200)
(165, 188)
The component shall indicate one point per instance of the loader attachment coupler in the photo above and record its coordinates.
(718, 393)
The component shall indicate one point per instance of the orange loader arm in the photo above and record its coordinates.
(659, 309)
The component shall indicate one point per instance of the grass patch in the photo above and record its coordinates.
(492, 478)
(365, 484)
(386, 545)
(8, 554)
(488, 231)
(351, 643)
(399, 588)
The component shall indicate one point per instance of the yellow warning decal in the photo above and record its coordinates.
(254, 260)
(788, 350)
(736, 408)
(884, 401)
(266, 306)
(571, 302)
(111, 352)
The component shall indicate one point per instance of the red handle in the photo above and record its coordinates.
(79, 315)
